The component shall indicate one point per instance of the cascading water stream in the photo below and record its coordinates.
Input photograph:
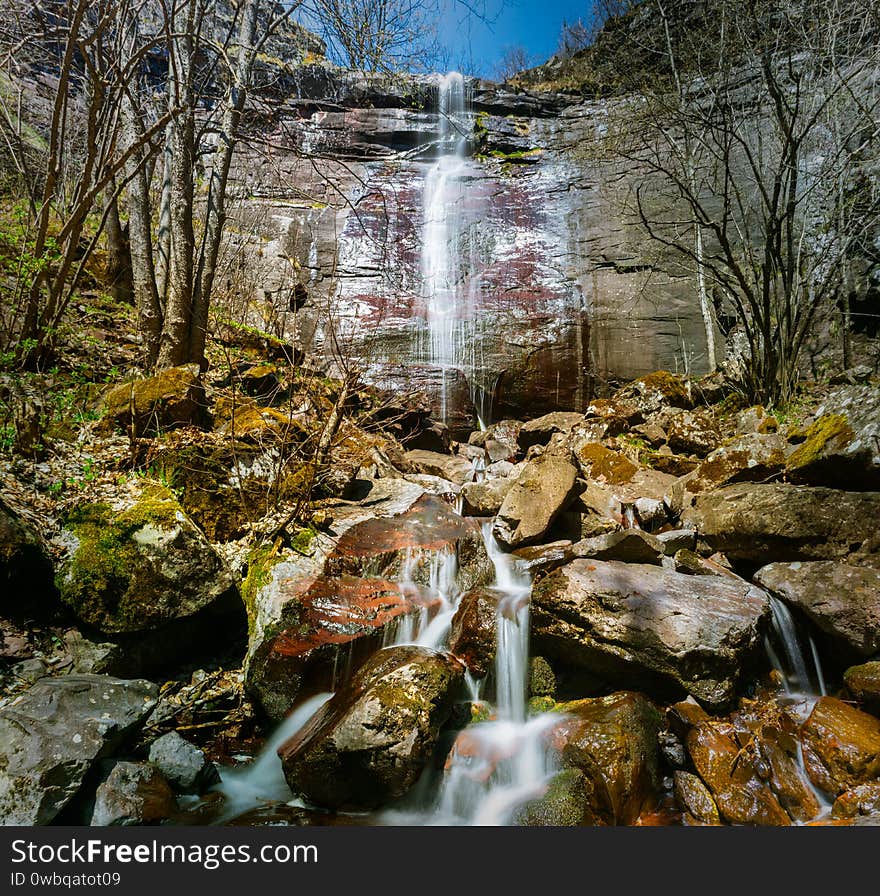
(802, 688)
(450, 262)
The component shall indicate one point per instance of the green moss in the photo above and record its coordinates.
(541, 704)
(302, 541)
(829, 432)
(260, 562)
(673, 388)
(97, 581)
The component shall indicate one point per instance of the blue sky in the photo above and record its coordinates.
(533, 24)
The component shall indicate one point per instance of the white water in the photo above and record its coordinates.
(803, 683)
(450, 257)
(261, 781)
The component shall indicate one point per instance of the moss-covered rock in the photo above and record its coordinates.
(656, 390)
(137, 563)
(170, 398)
(863, 682)
(371, 741)
(565, 804)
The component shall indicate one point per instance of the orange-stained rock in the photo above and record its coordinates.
(613, 741)
(841, 746)
(472, 638)
(730, 774)
(861, 800)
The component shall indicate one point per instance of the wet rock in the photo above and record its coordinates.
(173, 397)
(613, 741)
(542, 491)
(472, 638)
(751, 458)
(137, 564)
(841, 446)
(628, 546)
(565, 804)
(841, 746)
(368, 543)
(842, 600)
(694, 797)
(453, 467)
(370, 742)
(692, 564)
(693, 432)
(738, 791)
(52, 734)
(863, 682)
(25, 568)
(183, 764)
(134, 793)
(628, 622)
(98, 657)
(672, 750)
(542, 681)
(485, 498)
(434, 438)
(861, 800)
(778, 522)
(540, 431)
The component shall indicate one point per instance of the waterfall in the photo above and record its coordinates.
(450, 262)
(261, 781)
(796, 676)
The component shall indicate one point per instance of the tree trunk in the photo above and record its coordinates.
(118, 273)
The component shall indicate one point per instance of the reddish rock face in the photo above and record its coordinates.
(336, 620)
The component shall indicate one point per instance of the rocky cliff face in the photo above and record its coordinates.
(560, 295)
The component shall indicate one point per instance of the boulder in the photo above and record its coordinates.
(52, 734)
(500, 440)
(172, 397)
(633, 622)
(601, 464)
(750, 458)
(656, 390)
(183, 764)
(613, 741)
(627, 545)
(370, 742)
(134, 793)
(777, 522)
(453, 467)
(393, 520)
(841, 746)
(694, 798)
(566, 803)
(542, 680)
(863, 800)
(472, 639)
(675, 540)
(693, 432)
(841, 446)
(26, 575)
(485, 498)
(137, 565)
(739, 792)
(863, 682)
(540, 431)
(842, 600)
(542, 491)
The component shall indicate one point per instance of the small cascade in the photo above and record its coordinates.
(428, 626)
(796, 676)
(803, 682)
(497, 766)
(261, 781)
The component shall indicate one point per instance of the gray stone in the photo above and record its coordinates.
(842, 600)
(52, 734)
(627, 545)
(636, 623)
(183, 764)
(542, 491)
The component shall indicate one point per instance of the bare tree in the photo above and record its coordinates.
(754, 142)
(513, 60)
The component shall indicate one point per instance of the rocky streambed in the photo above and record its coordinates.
(664, 610)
